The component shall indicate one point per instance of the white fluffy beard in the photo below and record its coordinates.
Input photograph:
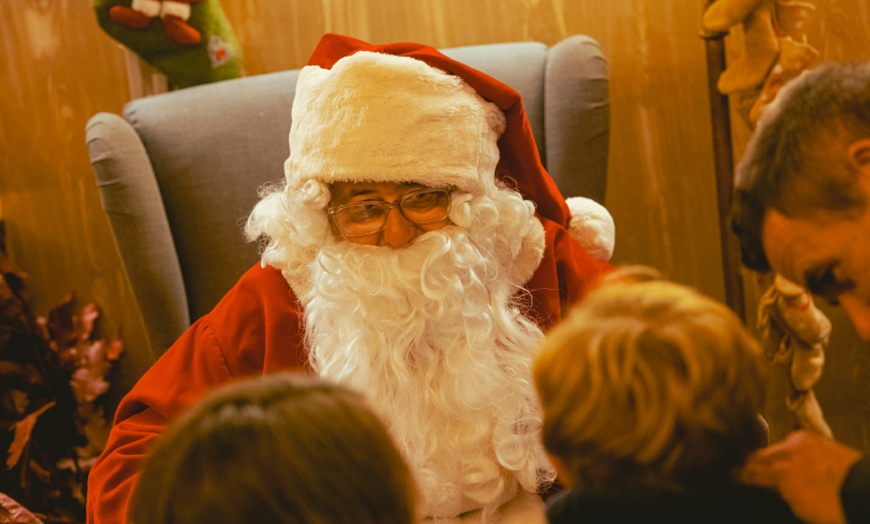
(433, 334)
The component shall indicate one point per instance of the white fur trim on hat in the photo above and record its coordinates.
(383, 118)
(592, 226)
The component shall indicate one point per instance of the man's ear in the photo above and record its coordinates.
(859, 154)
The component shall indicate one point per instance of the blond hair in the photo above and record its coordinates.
(649, 382)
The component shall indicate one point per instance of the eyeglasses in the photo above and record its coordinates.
(425, 206)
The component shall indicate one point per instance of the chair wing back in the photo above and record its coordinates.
(179, 172)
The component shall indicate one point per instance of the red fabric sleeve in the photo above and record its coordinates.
(228, 343)
(566, 273)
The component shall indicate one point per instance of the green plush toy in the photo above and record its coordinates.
(190, 41)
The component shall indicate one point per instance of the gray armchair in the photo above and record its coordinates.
(179, 172)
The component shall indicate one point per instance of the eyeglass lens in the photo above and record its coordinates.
(426, 206)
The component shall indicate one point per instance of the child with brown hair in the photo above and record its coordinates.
(277, 448)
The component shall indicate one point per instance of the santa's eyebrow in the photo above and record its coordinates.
(355, 194)
(365, 191)
(360, 192)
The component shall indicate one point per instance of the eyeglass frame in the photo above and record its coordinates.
(390, 205)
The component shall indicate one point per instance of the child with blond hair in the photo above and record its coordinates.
(651, 396)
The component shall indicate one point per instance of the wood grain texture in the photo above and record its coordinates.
(59, 68)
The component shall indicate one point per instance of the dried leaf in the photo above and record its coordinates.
(15, 403)
(56, 360)
(10, 272)
(63, 324)
(23, 429)
(12, 511)
(13, 315)
(90, 313)
(95, 429)
(87, 385)
(113, 352)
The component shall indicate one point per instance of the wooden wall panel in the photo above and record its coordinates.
(59, 68)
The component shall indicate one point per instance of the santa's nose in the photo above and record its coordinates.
(398, 230)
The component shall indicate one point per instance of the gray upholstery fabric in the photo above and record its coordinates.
(132, 200)
(577, 122)
(179, 173)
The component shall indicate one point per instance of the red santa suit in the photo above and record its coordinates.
(257, 328)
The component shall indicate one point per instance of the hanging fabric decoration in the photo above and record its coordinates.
(795, 334)
(190, 41)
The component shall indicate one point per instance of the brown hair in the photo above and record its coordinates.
(278, 448)
(796, 161)
(650, 383)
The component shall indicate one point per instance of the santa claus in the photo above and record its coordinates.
(416, 251)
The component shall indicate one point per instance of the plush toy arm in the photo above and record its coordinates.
(790, 322)
(722, 14)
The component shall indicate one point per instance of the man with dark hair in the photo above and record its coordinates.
(801, 210)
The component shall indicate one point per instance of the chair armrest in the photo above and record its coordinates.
(130, 196)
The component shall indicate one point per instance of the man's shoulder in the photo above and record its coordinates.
(856, 488)
(725, 504)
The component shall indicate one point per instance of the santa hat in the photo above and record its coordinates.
(404, 112)
(375, 117)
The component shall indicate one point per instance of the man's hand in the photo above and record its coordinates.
(808, 470)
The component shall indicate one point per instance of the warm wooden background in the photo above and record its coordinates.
(58, 68)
